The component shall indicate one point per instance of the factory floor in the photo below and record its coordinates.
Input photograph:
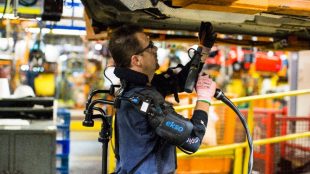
(85, 153)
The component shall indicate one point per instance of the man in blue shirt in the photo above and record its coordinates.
(140, 147)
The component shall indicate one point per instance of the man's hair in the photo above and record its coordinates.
(123, 44)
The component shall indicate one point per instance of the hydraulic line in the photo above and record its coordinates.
(220, 96)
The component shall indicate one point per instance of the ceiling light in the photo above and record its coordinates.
(57, 31)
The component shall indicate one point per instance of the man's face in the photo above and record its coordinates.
(148, 59)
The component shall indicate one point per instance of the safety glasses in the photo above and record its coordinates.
(150, 45)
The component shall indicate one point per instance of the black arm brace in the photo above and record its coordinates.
(162, 117)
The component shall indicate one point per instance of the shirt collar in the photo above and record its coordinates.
(131, 76)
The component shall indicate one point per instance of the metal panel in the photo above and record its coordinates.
(35, 153)
(293, 81)
(4, 152)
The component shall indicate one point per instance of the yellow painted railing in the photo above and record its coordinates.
(227, 147)
(24, 10)
(77, 125)
(237, 147)
(252, 98)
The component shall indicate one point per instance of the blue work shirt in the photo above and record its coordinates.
(139, 142)
(139, 149)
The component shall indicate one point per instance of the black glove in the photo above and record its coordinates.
(207, 35)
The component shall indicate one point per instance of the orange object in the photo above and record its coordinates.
(268, 64)
(204, 165)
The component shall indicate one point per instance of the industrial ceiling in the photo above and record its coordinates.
(277, 24)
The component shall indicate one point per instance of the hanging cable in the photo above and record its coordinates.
(4, 9)
(105, 75)
(220, 96)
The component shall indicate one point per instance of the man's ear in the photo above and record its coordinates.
(135, 60)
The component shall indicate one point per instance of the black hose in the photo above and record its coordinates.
(92, 94)
(220, 96)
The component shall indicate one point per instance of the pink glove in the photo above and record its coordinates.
(205, 88)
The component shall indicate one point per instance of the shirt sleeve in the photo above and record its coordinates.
(199, 121)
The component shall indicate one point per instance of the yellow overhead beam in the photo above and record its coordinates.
(236, 6)
(292, 7)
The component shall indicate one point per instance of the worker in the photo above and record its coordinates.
(148, 130)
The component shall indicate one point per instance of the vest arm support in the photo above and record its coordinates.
(177, 130)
